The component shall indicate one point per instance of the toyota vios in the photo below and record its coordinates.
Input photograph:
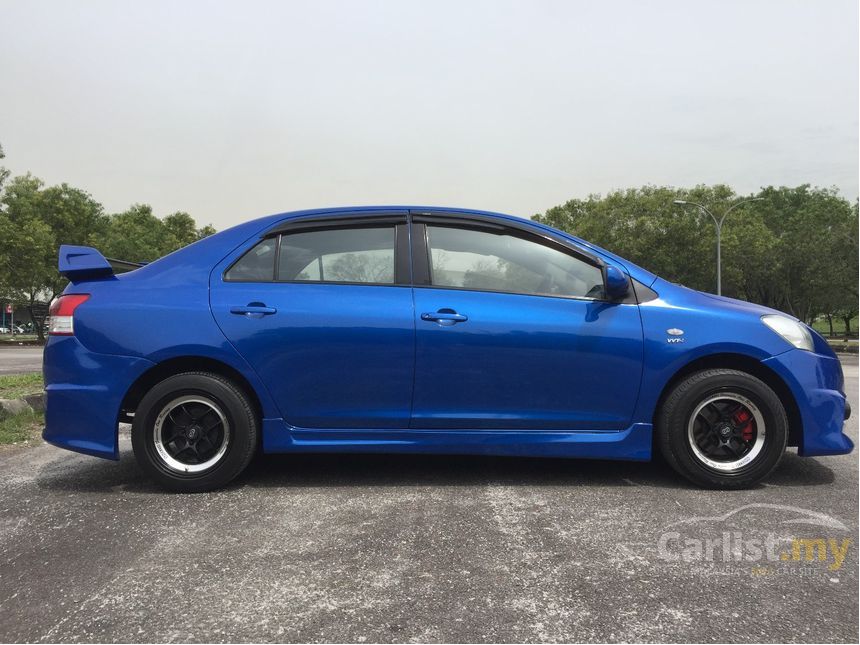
(400, 329)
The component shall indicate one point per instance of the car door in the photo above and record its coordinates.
(322, 310)
(512, 332)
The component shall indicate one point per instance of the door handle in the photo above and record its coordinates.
(253, 310)
(445, 317)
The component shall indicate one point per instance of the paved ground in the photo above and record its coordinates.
(356, 548)
(18, 360)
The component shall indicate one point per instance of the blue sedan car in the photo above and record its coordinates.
(425, 330)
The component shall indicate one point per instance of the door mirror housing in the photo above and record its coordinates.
(617, 283)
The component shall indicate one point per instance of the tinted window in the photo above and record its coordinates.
(339, 255)
(257, 265)
(482, 260)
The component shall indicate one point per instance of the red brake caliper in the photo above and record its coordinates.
(744, 419)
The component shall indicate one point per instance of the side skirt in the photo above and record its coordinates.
(632, 444)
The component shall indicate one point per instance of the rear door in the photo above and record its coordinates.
(512, 333)
(322, 310)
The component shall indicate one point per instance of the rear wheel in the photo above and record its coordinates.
(722, 428)
(194, 432)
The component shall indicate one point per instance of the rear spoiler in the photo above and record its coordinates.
(84, 262)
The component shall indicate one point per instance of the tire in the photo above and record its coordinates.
(722, 429)
(208, 415)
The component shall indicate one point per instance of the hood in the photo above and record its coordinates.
(684, 296)
(736, 304)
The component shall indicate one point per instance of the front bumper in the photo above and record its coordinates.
(83, 394)
(817, 384)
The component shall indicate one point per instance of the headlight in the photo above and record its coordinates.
(793, 331)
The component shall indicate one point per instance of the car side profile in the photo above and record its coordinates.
(425, 330)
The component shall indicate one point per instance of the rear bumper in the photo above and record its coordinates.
(817, 384)
(83, 394)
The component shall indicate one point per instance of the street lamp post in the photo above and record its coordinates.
(718, 223)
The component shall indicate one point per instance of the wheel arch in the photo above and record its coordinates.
(750, 365)
(178, 365)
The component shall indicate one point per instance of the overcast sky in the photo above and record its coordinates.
(233, 110)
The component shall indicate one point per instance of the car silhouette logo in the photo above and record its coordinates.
(793, 515)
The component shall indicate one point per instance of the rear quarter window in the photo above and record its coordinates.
(257, 265)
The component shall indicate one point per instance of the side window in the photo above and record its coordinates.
(257, 265)
(481, 260)
(363, 255)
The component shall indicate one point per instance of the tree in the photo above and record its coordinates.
(135, 235)
(814, 268)
(35, 221)
(73, 217)
(4, 172)
(181, 230)
(28, 256)
(139, 236)
(842, 289)
(795, 250)
(643, 225)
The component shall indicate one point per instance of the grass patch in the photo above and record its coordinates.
(823, 328)
(9, 338)
(21, 427)
(14, 386)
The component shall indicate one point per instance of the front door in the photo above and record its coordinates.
(512, 333)
(322, 311)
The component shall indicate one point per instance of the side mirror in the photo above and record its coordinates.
(617, 283)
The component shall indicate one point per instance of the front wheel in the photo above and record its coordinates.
(722, 428)
(194, 432)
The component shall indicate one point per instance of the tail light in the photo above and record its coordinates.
(62, 319)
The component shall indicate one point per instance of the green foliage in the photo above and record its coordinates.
(4, 172)
(133, 235)
(35, 221)
(29, 243)
(795, 250)
(138, 235)
(822, 325)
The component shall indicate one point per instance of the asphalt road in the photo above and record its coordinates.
(18, 360)
(385, 548)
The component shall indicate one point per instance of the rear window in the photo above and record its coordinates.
(362, 255)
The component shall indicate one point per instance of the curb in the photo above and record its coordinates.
(28, 403)
(851, 350)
